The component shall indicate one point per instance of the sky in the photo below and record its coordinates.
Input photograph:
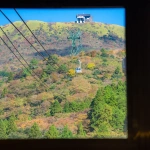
(104, 15)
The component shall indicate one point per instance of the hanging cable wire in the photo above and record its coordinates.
(22, 34)
(33, 34)
(14, 46)
(22, 63)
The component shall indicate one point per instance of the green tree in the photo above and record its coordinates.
(1, 82)
(118, 119)
(102, 50)
(55, 108)
(43, 76)
(104, 53)
(4, 92)
(49, 69)
(74, 106)
(52, 133)
(26, 72)
(33, 63)
(66, 133)
(3, 130)
(100, 113)
(62, 69)
(4, 73)
(35, 131)
(52, 60)
(10, 77)
(117, 70)
(116, 73)
(11, 125)
(66, 107)
(81, 133)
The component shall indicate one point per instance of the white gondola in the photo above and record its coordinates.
(79, 69)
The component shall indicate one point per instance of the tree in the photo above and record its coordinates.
(66, 133)
(11, 124)
(100, 113)
(52, 60)
(102, 50)
(116, 73)
(4, 92)
(81, 133)
(1, 82)
(4, 73)
(44, 75)
(118, 119)
(35, 131)
(117, 70)
(3, 130)
(66, 107)
(62, 69)
(49, 69)
(104, 53)
(55, 108)
(93, 53)
(26, 72)
(33, 63)
(10, 77)
(52, 133)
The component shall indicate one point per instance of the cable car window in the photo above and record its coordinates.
(63, 77)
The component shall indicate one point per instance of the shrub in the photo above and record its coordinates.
(4, 73)
(97, 72)
(54, 77)
(91, 66)
(112, 56)
(71, 72)
(104, 55)
(93, 53)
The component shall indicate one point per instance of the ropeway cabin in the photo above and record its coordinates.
(79, 69)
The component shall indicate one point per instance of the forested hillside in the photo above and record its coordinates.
(65, 104)
(53, 36)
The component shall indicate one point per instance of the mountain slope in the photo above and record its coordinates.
(53, 36)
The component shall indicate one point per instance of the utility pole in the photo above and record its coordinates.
(74, 36)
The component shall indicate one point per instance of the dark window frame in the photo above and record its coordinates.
(137, 78)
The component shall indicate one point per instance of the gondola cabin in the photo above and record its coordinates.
(79, 69)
